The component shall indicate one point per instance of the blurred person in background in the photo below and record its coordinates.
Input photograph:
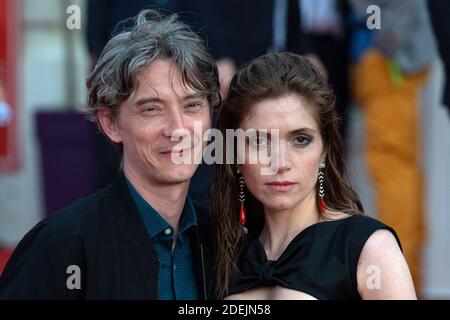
(105, 18)
(390, 68)
(236, 31)
(440, 13)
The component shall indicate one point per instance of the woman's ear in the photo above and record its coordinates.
(108, 124)
(323, 156)
(323, 160)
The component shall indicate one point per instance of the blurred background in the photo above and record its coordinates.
(387, 63)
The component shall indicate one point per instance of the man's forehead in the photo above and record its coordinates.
(162, 79)
(165, 93)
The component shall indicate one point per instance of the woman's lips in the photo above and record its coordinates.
(281, 185)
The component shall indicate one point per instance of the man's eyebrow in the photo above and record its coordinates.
(146, 100)
(197, 95)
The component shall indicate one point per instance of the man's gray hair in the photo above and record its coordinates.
(152, 37)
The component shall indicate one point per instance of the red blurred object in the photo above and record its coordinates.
(322, 205)
(4, 256)
(9, 41)
(242, 215)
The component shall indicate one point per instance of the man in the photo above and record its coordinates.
(141, 237)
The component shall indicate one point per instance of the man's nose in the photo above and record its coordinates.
(175, 126)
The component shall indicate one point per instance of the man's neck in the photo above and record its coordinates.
(167, 199)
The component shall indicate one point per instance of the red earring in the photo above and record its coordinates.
(242, 214)
(322, 204)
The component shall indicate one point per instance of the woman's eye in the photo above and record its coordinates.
(302, 140)
(259, 141)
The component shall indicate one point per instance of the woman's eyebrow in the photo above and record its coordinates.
(267, 133)
(303, 130)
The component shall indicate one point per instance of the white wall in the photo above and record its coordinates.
(41, 85)
(436, 157)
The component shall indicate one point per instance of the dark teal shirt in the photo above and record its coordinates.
(177, 280)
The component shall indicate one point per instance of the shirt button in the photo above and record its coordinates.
(168, 232)
(174, 267)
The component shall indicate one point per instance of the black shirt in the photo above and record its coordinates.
(320, 261)
(103, 237)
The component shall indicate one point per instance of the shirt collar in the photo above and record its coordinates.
(189, 216)
(154, 222)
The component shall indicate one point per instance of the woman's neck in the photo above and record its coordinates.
(281, 226)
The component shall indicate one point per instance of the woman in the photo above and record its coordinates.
(307, 236)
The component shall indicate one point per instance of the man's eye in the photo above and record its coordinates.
(150, 109)
(194, 105)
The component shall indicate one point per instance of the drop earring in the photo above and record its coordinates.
(322, 204)
(242, 214)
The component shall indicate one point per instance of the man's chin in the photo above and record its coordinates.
(177, 173)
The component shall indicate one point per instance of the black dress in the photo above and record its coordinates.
(320, 261)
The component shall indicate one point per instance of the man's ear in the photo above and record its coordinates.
(109, 125)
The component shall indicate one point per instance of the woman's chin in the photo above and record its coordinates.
(279, 205)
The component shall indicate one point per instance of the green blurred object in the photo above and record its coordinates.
(395, 73)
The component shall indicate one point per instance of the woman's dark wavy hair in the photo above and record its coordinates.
(270, 76)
